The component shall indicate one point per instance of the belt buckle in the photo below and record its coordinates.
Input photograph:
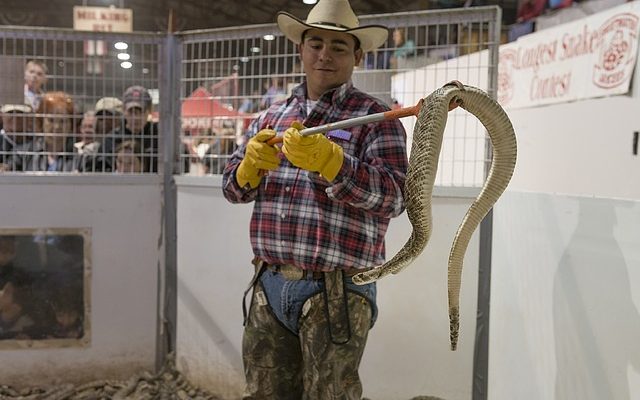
(291, 273)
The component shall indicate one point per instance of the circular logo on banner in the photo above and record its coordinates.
(615, 59)
(505, 76)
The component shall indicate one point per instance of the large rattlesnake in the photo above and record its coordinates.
(423, 164)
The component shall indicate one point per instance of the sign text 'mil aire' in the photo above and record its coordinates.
(102, 19)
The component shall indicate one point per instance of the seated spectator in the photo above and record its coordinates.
(558, 4)
(35, 77)
(275, 92)
(128, 158)
(58, 124)
(250, 104)
(96, 155)
(109, 115)
(403, 48)
(15, 321)
(530, 9)
(16, 142)
(378, 59)
(138, 126)
(87, 130)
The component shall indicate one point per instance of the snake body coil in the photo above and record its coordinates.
(423, 165)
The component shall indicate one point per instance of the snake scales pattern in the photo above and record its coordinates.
(423, 165)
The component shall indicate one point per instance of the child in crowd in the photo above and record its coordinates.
(128, 158)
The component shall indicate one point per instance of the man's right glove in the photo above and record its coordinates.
(259, 156)
(313, 153)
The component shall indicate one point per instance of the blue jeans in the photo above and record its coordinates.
(286, 298)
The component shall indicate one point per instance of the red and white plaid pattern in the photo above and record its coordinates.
(298, 217)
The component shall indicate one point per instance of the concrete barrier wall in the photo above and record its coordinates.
(124, 218)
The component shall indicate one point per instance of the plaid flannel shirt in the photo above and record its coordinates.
(302, 219)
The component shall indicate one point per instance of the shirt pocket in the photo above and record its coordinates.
(348, 144)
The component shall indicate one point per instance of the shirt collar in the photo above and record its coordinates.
(334, 96)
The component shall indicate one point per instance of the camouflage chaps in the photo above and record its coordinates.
(294, 353)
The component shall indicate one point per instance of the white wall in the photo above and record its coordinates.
(124, 214)
(408, 351)
(566, 264)
(565, 298)
(583, 147)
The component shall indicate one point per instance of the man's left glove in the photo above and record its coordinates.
(314, 153)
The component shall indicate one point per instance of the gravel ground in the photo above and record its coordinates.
(168, 384)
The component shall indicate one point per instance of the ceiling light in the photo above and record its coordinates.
(126, 64)
(123, 56)
(255, 49)
(244, 59)
(268, 37)
(145, 70)
(309, 1)
(121, 46)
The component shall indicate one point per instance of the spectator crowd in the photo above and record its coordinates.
(47, 133)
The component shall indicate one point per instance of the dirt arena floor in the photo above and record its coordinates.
(168, 384)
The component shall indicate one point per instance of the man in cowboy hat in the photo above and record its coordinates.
(319, 217)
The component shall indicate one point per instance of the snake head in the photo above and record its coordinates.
(455, 100)
(456, 83)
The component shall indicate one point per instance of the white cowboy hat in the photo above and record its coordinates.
(333, 15)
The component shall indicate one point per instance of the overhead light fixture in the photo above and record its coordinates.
(123, 56)
(244, 59)
(145, 70)
(121, 46)
(268, 37)
(255, 50)
(309, 1)
(126, 64)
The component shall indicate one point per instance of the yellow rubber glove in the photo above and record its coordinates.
(313, 153)
(259, 156)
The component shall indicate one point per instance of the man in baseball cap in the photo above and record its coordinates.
(16, 135)
(137, 96)
(138, 105)
(91, 153)
(109, 112)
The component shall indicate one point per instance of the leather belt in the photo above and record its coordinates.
(293, 273)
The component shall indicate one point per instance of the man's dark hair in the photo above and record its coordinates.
(355, 39)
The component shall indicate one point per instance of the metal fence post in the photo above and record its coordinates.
(481, 348)
(170, 128)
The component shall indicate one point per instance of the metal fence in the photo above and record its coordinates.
(211, 84)
(63, 104)
(228, 76)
